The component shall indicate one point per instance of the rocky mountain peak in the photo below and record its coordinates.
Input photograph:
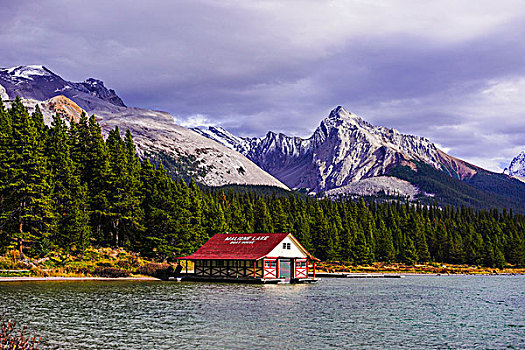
(340, 119)
(39, 83)
(517, 166)
(96, 88)
(339, 115)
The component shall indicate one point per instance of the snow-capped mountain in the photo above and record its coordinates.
(39, 83)
(517, 167)
(156, 135)
(342, 150)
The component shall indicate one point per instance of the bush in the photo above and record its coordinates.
(105, 264)
(128, 262)
(13, 336)
(162, 271)
(83, 271)
(110, 272)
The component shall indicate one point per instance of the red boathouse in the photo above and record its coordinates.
(252, 257)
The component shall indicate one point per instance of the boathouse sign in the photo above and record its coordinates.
(245, 239)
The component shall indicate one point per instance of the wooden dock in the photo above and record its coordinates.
(355, 275)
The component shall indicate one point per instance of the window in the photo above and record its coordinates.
(300, 264)
(286, 246)
(270, 263)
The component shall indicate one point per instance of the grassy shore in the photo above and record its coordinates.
(430, 268)
(92, 263)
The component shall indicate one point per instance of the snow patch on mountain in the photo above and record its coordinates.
(517, 166)
(387, 185)
(27, 72)
(3, 93)
(223, 137)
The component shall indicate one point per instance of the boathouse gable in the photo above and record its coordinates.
(288, 248)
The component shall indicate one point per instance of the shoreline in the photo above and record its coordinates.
(323, 275)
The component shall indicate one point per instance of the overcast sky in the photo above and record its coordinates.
(452, 71)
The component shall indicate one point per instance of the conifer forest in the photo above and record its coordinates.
(66, 187)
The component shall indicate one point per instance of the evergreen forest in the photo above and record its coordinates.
(65, 187)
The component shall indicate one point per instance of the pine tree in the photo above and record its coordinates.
(262, 217)
(385, 244)
(70, 197)
(281, 220)
(124, 210)
(7, 173)
(33, 209)
(322, 240)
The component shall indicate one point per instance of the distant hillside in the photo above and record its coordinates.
(484, 190)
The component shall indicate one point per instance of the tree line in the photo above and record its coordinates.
(65, 187)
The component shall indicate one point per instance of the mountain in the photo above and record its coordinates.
(342, 150)
(347, 155)
(183, 152)
(39, 83)
(517, 167)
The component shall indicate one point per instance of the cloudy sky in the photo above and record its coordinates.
(452, 71)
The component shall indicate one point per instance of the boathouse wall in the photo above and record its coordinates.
(229, 268)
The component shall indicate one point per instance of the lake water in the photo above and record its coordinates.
(416, 312)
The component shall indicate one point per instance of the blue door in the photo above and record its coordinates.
(285, 269)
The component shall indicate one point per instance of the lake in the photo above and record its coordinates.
(416, 312)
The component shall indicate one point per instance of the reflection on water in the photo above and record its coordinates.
(412, 313)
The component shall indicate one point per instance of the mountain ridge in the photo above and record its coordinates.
(343, 149)
(345, 152)
(184, 153)
(39, 83)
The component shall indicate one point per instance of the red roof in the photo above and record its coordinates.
(246, 246)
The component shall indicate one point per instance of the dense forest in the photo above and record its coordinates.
(66, 187)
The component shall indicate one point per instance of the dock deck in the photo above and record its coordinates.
(355, 275)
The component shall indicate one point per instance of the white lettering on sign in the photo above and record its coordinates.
(245, 239)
